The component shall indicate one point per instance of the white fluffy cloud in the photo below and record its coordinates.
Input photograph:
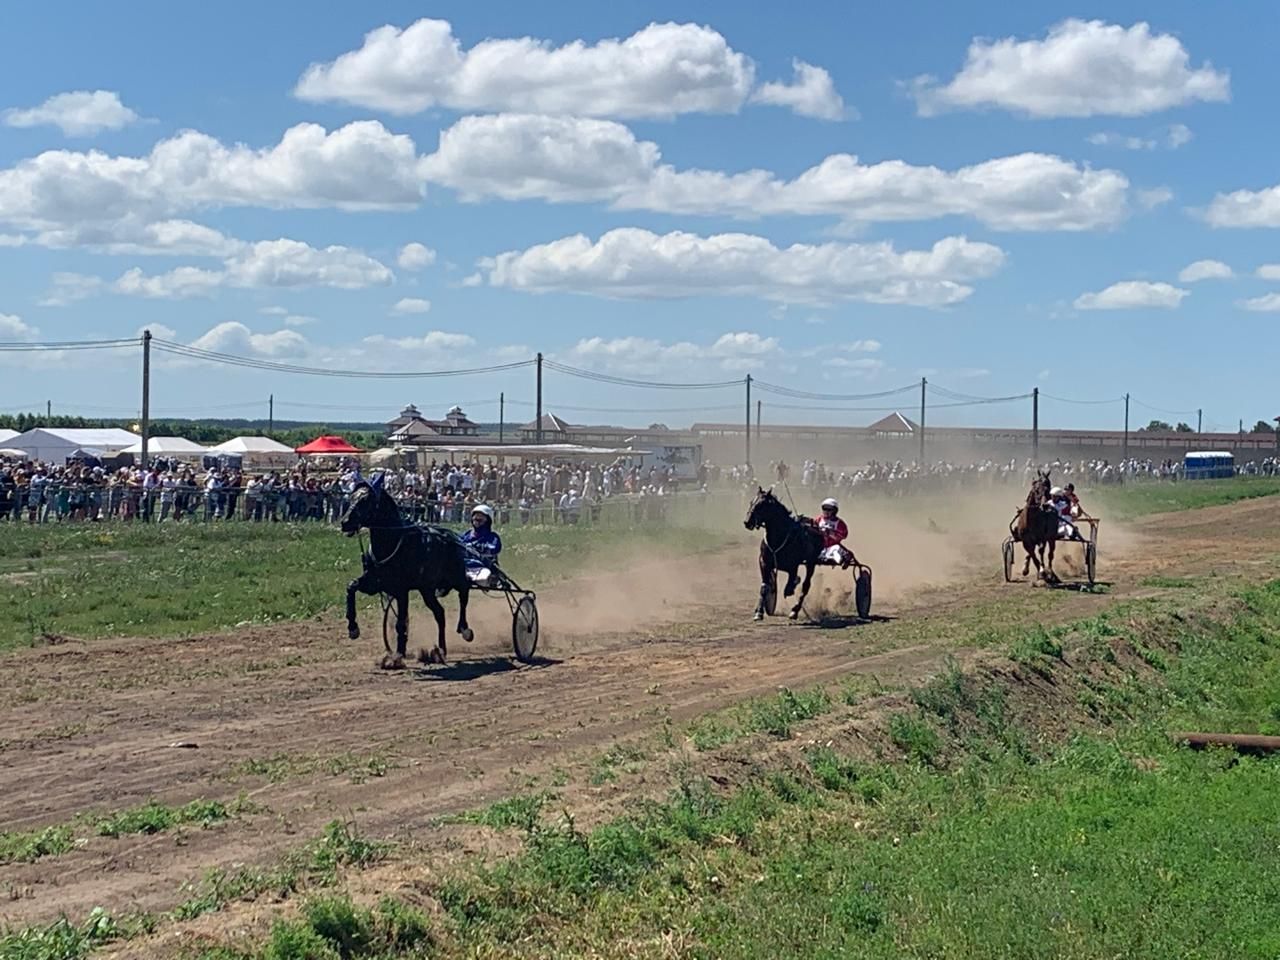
(81, 113)
(1269, 271)
(236, 338)
(659, 71)
(1245, 208)
(1267, 303)
(1205, 270)
(1131, 295)
(568, 159)
(130, 235)
(633, 263)
(12, 327)
(730, 353)
(70, 287)
(415, 256)
(411, 305)
(267, 263)
(811, 94)
(360, 166)
(179, 284)
(1080, 69)
(1176, 136)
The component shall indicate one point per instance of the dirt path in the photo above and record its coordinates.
(93, 727)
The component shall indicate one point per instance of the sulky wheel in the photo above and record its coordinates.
(1007, 552)
(862, 593)
(771, 596)
(1091, 561)
(524, 629)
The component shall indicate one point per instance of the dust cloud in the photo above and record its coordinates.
(911, 543)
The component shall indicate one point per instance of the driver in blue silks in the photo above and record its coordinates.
(483, 542)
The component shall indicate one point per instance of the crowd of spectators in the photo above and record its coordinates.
(171, 491)
(532, 492)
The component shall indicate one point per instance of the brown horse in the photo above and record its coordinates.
(1035, 526)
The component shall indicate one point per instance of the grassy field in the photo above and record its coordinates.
(1141, 499)
(91, 580)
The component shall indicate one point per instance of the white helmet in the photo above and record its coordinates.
(830, 502)
(483, 508)
(1056, 492)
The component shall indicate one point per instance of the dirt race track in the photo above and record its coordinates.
(93, 727)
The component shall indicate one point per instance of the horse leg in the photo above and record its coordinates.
(1031, 558)
(464, 630)
(793, 581)
(396, 661)
(804, 588)
(767, 574)
(1050, 576)
(437, 610)
(353, 628)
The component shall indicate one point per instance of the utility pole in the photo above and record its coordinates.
(538, 422)
(1124, 454)
(748, 430)
(271, 414)
(1035, 424)
(1199, 421)
(757, 422)
(502, 411)
(48, 409)
(146, 393)
(924, 383)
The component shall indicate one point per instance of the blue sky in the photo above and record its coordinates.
(189, 170)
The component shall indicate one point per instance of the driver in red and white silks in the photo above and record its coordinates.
(834, 531)
(1067, 512)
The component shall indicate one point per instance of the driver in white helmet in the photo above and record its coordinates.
(834, 531)
(482, 541)
(1067, 512)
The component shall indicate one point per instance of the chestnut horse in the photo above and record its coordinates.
(1035, 526)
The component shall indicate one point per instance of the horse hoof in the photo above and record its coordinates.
(758, 616)
(794, 615)
(467, 634)
(353, 632)
(392, 661)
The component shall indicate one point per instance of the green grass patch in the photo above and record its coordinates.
(283, 766)
(64, 940)
(520, 812)
(152, 817)
(1142, 499)
(1168, 583)
(97, 580)
(774, 715)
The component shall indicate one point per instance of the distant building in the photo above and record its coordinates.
(894, 425)
(412, 427)
(554, 430)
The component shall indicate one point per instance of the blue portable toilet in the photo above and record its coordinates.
(1209, 465)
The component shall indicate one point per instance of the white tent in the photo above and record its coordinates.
(168, 447)
(6, 436)
(257, 450)
(52, 444)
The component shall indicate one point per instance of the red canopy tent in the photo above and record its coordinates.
(327, 445)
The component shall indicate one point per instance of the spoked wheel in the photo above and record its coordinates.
(524, 628)
(771, 596)
(862, 593)
(1091, 561)
(1007, 550)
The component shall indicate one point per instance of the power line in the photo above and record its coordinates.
(212, 356)
(1168, 413)
(630, 382)
(1049, 396)
(781, 391)
(28, 346)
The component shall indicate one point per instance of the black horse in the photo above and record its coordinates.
(404, 557)
(788, 544)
